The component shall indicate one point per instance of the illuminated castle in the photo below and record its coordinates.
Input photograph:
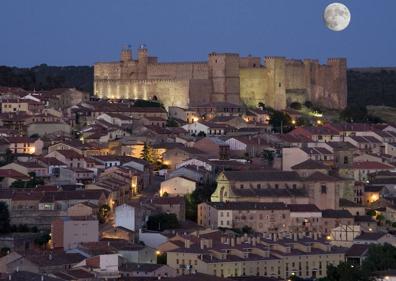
(224, 77)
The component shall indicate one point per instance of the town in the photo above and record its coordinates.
(105, 188)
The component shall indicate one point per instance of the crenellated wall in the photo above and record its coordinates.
(225, 77)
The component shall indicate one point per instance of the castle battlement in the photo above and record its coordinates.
(224, 54)
(225, 77)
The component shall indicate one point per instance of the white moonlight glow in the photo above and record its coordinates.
(337, 16)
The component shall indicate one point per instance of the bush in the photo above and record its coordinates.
(296, 105)
(371, 213)
(308, 104)
(162, 221)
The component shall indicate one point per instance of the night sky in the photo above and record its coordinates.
(81, 32)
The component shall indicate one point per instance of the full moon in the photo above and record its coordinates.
(337, 16)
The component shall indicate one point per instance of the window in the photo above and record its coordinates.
(323, 189)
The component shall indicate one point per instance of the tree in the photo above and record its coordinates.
(308, 104)
(171, 122)
(371, 213)
(201, 134)
(280, 121)
(199, 195)
(4, 218)
(18, 184)
(268, 156)
(103, 213)
(43, 239)
(148, 153)
(354, 113)
(163, 221)
(296, 105)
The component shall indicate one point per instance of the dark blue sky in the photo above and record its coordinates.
(80, 32)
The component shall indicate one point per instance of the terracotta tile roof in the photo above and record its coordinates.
(171, 200)
(10, 173)
(371, 165)
(261, 175)
(248, 205)
(357, 250)
(373, 236)
(301, 208)
(336, 214)
(310, 165)
(318, 176)
(70, 154)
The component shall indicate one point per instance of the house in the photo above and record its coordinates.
(334, 218)
(356, 254)
(116, 119)
(125, 216)
(68, 232)
(171, 205)
(375, 238)
(9, 176)
(261, 217)
(25, 145)
(213, 147)
(44, 261)
(153, 121)
(292, 156)
(27, 168)
(177, 186)
(47, 128)
(304, 218)
(146, 270)
(83, 209)
(361, 170)
(174, 156)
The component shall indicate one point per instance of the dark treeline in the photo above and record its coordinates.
(372, 87)
(44, 77)
(365, 86)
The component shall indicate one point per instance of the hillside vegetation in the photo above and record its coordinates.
(44, 77)
(366, 86)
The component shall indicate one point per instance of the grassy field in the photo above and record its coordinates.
(386, 113)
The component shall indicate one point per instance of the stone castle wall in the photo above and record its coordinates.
(224, 78)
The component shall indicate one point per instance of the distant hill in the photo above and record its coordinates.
(372, 86)
(44, 77)
(366, 86)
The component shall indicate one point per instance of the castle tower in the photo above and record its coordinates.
(126, 54)
(276, 82)
(311, 68)
(339, 83)
(142, 62)
(224, 74)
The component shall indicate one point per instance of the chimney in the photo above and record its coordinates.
(233, 242)
(249, 240)
(315, 236)
(50, 257)
(42, 277)
(254, 241)
(187, 243)
(202, 243)
(295, 236)
(9, 277)
(238, 240)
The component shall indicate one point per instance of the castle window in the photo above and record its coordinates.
(280, 85)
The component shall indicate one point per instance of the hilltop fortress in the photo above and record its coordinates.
(225, 77)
